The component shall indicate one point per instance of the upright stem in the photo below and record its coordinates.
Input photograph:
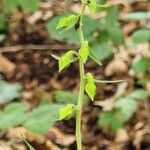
(82, 84)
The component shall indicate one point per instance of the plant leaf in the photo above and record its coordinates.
(84, 51)
(29, 5)
(13, 115)
(14, 91)
(90, 87)
(93, 6)
(142, 65)
(42, 118)
(139, 94)
(10, 5)
(65, 60)
(66, 112)
(66, 97)
(138, 16)
(67, 22)
(141, 36)
(94, 57)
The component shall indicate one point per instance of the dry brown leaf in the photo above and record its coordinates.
(62, 138)
(121, 136)
(6, 66)
(116, 67)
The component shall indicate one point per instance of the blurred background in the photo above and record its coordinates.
(32, 91)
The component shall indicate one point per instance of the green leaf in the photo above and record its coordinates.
(42, 118)
(2, 23)
(94, 57)
(29, 145)
(112, 119)
(71, 36)
(29, 5)
(67, 22)
(123, 110)
(141, 36)
(139, 94)
(93, 6)
(66, 112)
(101, 47)
(13, 115)
(65, 97)
(90, 87)
(142, 65)
(65, 60)
(138, 16)
(84, 51)
(14, 91)
(10, 5)
(113, 27)
(2, 37)
(128, 107)
(15, 107)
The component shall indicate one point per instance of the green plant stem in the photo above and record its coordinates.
(82, 84)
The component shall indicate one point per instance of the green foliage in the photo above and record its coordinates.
(67, 22)
(66, 112)
(138, 16)
(2, 37)
(93, 6)
(38, 121)
(10, 5)
(90, 87)
(123, 110)
(141, 36)
(28, 5)
(65, 60)
(64, 97)
(2, 23)
(71, 36)
(112, 25)
(42, 118)
(84, 51)
(13, 115)
(14, 91)
(142, 65)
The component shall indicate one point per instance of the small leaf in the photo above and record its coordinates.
(29, 5)
(66, 112)
(29, 145)
(14, 91)
(3, 24)
(94, 57)
(2, 37)
(84, 51)
(65, 60)
(42, 118)
(10, 5)
(90, 87)
(139, 94)
(141, 36)
(66, 97)
(14, 114)
(67, 22)
(142, 65)
(93, 6)
(138, 16)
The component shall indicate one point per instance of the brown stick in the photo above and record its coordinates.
(33, 47)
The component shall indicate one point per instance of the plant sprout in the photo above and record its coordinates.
(87, 81)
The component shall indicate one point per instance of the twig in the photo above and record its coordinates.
(34, 47)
